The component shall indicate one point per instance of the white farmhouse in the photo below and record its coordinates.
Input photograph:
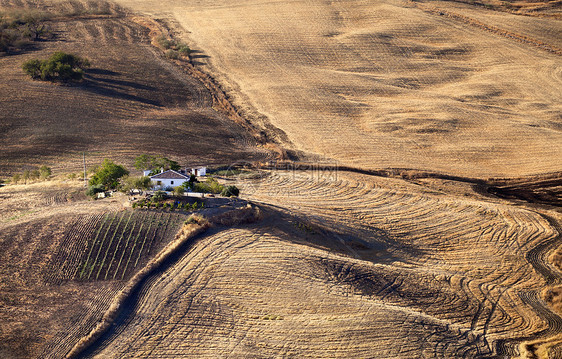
(169, 178)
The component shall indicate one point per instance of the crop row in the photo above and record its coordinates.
(121, 241)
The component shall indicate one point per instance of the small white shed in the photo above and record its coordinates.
(199, 171)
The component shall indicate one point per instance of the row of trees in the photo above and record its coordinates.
(37, 174)
(111, 176)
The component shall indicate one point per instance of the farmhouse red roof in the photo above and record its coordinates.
(169, 174)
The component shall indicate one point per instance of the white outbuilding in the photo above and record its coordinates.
(199, 171)
(169, 178)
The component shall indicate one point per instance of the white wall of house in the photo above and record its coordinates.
(168, 182)
(199, 171)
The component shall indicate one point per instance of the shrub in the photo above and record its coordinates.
(108, 175)
(154, 163)
(44, 172)
(172, 54)
(184, 50)
(211, 185)
(59, 67)
(16, 178)
(164, 42)
(130, 183)
(230, 191)
(159, 196)
(93, 190)
(178, 191)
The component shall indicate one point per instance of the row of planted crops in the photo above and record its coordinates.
(113, 245)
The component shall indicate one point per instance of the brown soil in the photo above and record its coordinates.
(405, 245)
(132, 101)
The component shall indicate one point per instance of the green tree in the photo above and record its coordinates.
(130, 183)
(178, 191)
(16, 178)
(59, 67)
(154, 163)
(44, 172)
(230, 191)
(108, 175)
(92, 191)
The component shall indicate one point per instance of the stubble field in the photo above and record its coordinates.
(379, 84)
(432, 263)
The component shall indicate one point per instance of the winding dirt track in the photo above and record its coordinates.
(353, 266)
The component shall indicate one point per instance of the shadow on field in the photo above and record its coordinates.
(197, 54)
(117, 88)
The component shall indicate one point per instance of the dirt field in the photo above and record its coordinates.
(353, 267)
(132, 102)
(388, 83)
(435, 263)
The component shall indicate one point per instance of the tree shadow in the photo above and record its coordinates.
(117, 88)
(102, 72)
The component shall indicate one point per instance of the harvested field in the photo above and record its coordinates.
(133, 101)
(388, 83)
(352, 266)
(452, 252)
(47, 298)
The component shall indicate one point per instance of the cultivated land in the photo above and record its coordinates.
(346, 257)
(389, 83)
(134, 101)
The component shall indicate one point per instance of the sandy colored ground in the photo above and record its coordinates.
(342, 265)
(385, 84)
(348, 268)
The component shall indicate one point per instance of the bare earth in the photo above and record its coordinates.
(379, 84)
(342, 264)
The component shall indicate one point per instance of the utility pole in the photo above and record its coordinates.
(84, 160)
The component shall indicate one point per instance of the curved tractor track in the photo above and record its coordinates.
(351, 266)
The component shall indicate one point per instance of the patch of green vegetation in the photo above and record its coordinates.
(175, 49)
(20, 215)
(106, 177)
(229, 172)
(19, 27)
(272, 317)
(130, 183)
(59, 67)
(29, 176)
(155, 163)
(305, 227)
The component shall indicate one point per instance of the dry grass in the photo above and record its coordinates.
(450, 275)
(357, 82)
(345, 265)
(133, 101)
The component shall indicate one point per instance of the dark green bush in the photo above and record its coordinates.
(230, 191)
(108, 175)
(59, 67)
(93, 190)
